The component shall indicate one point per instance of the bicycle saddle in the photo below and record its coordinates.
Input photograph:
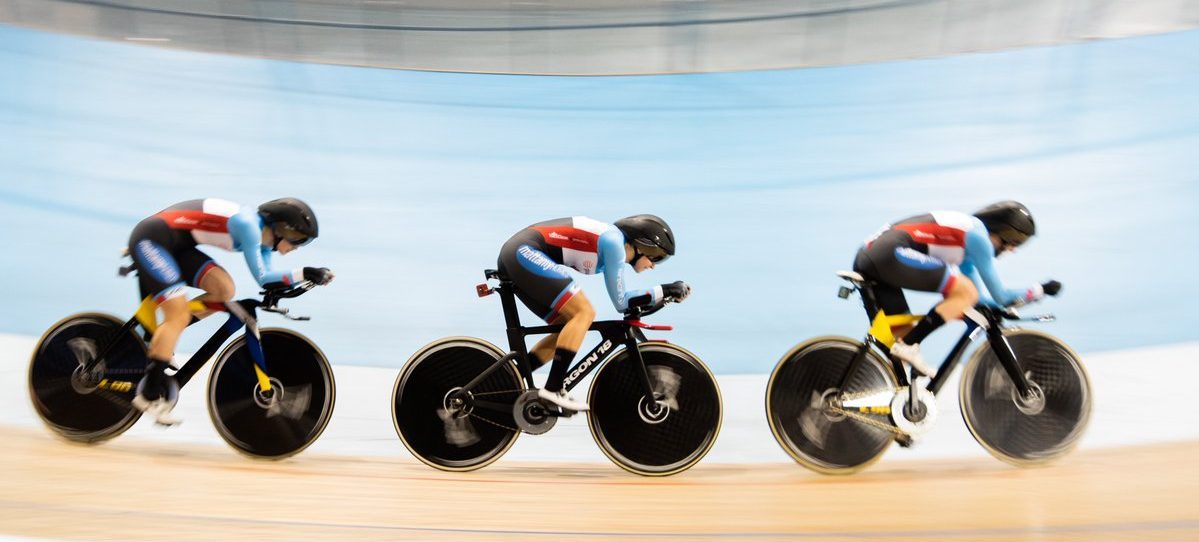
(853, 277)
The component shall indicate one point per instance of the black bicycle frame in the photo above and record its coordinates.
(995, 338)
(248, 318)
(612, 333)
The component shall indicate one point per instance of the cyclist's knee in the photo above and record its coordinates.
(218, 285)
(969, 293)
(174, 310)
(961, 295)
(579, 310)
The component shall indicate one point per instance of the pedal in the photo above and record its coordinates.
(484, 290)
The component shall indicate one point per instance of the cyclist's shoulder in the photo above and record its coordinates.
(591, 225)
(577, 224)
(956, 219)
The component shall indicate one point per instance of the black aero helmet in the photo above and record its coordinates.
(649, 235)
(1010, 220)
(289, 215)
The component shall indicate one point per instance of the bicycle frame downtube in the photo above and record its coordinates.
(209, 348)
(598, 355)
(951, 361)
(611, 333)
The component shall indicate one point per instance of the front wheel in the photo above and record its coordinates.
(282, 421)
(87, 406)
(663, 434)
(456, 431)
(802, 399)
(1029, 430)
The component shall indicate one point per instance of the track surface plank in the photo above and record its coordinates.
(134, 490)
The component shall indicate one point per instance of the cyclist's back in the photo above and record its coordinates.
(537, 260)
(932, 252)
(164, 249)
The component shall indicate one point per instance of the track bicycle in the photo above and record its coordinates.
(836, 404)
(460, 402)
(270, 393)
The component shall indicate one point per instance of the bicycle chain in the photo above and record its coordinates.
(482, 393)
(867, 419)
(497, 424)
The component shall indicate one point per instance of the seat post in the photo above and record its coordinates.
(869, 302)
(508, 302)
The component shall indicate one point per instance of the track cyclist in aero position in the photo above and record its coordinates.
(931, 253)
(164, 248)
(536, 260)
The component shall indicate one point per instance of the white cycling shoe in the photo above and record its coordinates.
(159, 409)
(563, 401)
(910, 354)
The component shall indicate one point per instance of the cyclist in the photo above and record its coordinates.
(931, 253)
(163, 246)
(536, 259)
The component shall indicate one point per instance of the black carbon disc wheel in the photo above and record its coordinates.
(86, 407)
(450, 434)
(1034, 430)
(280, 422)
(655, 437)
(796, 406)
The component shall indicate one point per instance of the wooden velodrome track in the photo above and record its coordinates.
(131, 489)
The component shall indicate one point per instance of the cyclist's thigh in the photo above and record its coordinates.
(542, 284)
(203, 273)
(152, 245)
(894, 264)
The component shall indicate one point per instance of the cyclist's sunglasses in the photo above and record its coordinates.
(294, 237)
(655, 254)
(1011, 239)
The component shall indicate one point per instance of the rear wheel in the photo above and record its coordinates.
(800, 399)
(451, 432)
(1027, 430)
(282, 421)
(87, 406)
(663, 434)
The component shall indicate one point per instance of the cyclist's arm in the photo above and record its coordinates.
(617, 274)
(980, 266)
(984, 297)
(247, 237)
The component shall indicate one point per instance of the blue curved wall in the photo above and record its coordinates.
(771, 179)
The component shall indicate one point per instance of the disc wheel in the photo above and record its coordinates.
(660, 435)
(799, 393)
(87, 407)
(282, 421)
(454, 433)
(1033, 430)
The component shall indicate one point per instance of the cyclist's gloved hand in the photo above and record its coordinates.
(1051, 287)
(677, 290)
(318, 275)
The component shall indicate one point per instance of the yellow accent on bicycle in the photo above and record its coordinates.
(147, 312)
(263, 381)
(880, 329)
